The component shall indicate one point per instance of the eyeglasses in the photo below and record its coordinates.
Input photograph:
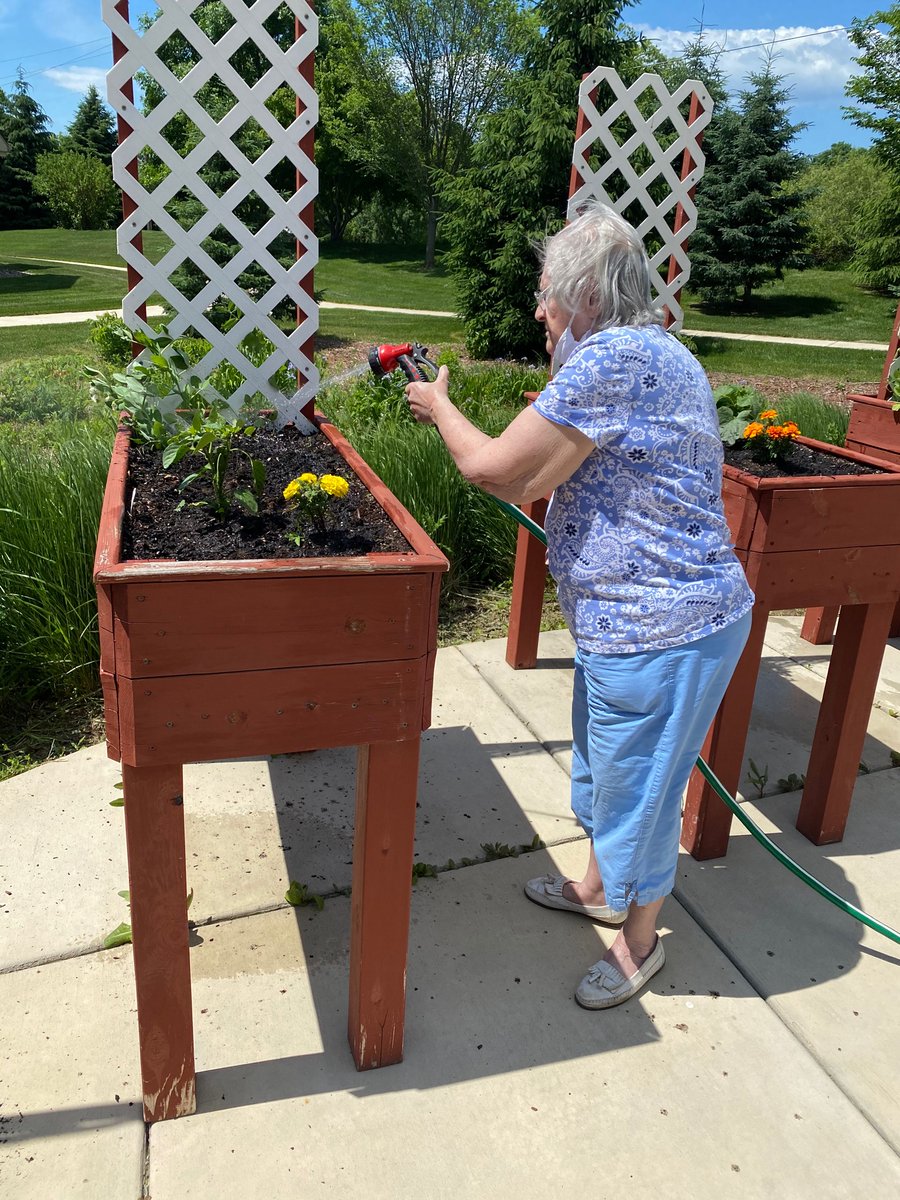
(541, 296)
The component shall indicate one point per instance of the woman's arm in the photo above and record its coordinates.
(528, 460)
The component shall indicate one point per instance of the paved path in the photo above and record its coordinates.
(153, 310)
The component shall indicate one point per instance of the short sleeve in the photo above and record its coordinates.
(591, 393)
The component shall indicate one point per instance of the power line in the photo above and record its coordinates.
(55, 50)
(796, 37)
(68, 63)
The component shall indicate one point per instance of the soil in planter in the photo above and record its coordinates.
(803, 461)
(155, 527)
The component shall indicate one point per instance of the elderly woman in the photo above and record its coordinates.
(626, 437)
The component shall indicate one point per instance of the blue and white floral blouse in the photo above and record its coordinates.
(638, 542)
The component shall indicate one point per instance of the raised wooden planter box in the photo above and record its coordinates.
(211, 660)
(874, 430)
(830, 541)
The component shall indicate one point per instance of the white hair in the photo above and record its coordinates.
(598, 265)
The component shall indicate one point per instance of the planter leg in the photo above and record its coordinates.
(529, 580)
(818, 625)
(382, 881)
(707, 822)
(895, 623)
(843, 719)
(154, 830)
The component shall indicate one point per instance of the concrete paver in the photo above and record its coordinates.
(834, 983)
(760, 1062)
(505, 1081)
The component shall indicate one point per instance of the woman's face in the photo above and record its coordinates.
(554, 319)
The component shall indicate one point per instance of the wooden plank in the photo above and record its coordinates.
(190, 627)
(825, 577)
(192, 718)
(893, 346)
(707, 821)
(380, 901)
(830, 518)
(527, 602)
(741, 511)
(109, 536)
(431, 656)
(818, 625)
(843, 718)
(157, 881)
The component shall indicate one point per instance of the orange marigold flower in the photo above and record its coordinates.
(769, 415)
(791, 428)
(754, 429)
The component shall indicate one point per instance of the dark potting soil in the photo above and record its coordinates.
(155, 527)
(802, 461)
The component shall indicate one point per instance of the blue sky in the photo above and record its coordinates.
(63, 46)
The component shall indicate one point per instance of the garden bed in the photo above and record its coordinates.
(156, 527)
(803, 461)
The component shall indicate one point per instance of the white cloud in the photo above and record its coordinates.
(815, 62)
(78, 79)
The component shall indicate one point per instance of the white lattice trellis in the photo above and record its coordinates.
(139, 52)
(683, 145)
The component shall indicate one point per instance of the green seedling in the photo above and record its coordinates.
(758, 776)
(298, 895)
(121, 935)
(895, 758)
(863, 769)
(792, 783)
(422, 871)
(119, 801)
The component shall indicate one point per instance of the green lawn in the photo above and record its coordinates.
(815, 304)
(792, 362)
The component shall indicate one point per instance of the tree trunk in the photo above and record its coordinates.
(748, 291)
(431, 236)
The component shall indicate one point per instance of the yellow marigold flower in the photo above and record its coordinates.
(791, 428)
(334, 485)
(769, 415)
(292, 489)
(308, 477)
(754, 429)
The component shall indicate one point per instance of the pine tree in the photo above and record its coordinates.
(23, 124)
(749, 223)
(92, 130)
(516, 188)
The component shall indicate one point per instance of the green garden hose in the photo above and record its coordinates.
(704, 769)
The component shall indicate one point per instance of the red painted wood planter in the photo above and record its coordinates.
(211, 660)
(874, 430)
(831, 541)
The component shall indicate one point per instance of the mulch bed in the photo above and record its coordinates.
(155, 528)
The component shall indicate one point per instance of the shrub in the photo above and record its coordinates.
(111, 338)
(41, 389)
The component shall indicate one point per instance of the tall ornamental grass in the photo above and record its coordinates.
(51, 488)
(478, 538)
(817, 418)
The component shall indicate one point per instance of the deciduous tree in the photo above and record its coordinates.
(78, 189)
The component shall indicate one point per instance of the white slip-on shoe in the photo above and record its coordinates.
(605, 986)
(548, 890)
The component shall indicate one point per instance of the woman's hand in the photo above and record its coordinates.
(425, 397)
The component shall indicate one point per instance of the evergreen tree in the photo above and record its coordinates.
(92, 130)
(876, 261)
(516, 188)
(749, 222)
(23, 124)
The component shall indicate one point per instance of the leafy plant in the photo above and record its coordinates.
(758, 776)
(214, 440)
(111, 338)
(735, 404)
(299, 895)
(497, 850)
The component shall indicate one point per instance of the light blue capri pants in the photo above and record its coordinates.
(638, 724)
